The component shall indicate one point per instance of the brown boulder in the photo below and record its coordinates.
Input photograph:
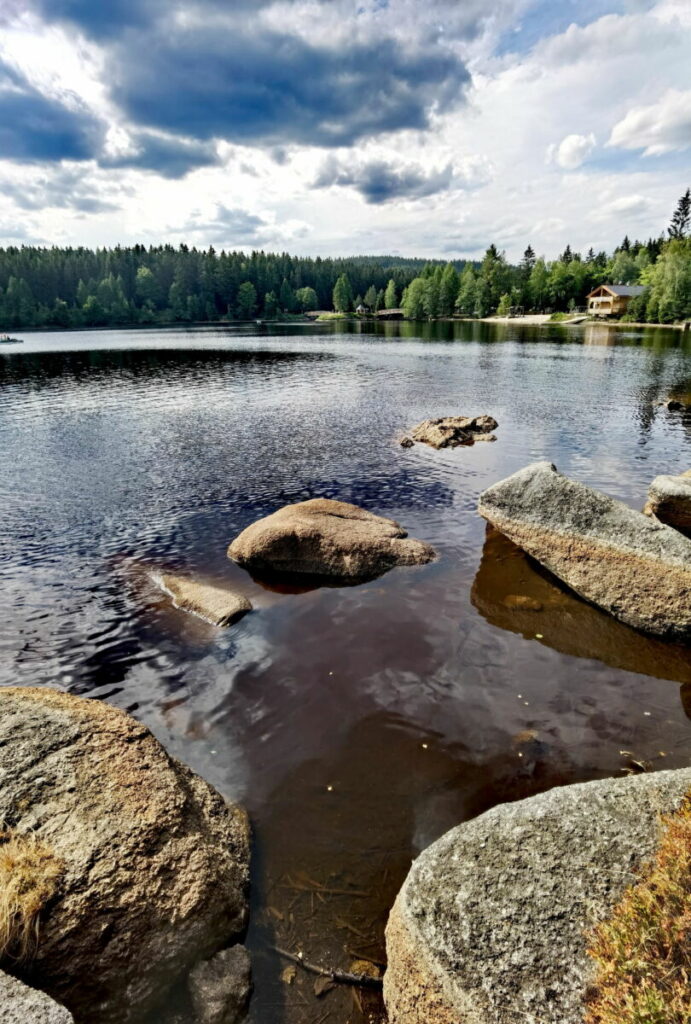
(153, 861)
(452, 431)
(669, 500)
(328, 539)
(215, 604)
(626, 563)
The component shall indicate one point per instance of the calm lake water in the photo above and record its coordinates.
(355, 724)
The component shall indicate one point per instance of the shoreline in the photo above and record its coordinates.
(531, 319)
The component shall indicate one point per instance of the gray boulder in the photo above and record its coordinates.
(452, 431)
(633, 566)
(491, 924)
(154, 862)
(20, 1004)
(669, 500)
(326, 538)
(220, 987)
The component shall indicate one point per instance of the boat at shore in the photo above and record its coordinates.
(5, 339)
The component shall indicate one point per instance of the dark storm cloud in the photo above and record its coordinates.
(37, 128)
(271, 88)
(380, 181)
(169, 157)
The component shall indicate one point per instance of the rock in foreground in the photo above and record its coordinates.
(328, 539)
(220, 987)
(215, 604)
(154, 863)
(452, 431)
(491, 924)
(632, 566)
(669, 500)
(20, 1004)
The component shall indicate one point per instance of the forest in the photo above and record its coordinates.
(78, 287)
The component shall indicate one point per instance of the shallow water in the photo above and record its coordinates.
(356, 724)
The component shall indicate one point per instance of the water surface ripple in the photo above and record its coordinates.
(356, 724)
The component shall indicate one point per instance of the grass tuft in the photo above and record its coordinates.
(643, 952)
(29, 876)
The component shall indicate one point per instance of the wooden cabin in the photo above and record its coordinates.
(612, 299)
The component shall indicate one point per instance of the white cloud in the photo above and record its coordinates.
(572, 151)
(658, 128)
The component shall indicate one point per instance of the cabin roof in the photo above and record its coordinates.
(620, 289)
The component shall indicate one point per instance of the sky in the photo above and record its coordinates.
(343, 127)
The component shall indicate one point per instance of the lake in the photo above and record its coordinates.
(356, 724)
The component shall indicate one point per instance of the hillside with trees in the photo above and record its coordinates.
(77, 287)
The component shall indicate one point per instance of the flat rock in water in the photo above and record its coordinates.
(669, 500)
(154, 862)
(452, 431)
(20, 1004)
(630, 565)
(491, 924)
(328, 539)
(215, 604)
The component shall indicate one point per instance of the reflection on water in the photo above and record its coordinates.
(357, 723)
(514, 592)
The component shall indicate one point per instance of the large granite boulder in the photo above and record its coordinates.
(20, 1004)
(328, 539)
(153, 861)
(491, 925)
(453, 431)
(629, 564)
(669, 500)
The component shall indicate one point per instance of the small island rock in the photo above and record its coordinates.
(329, 539)
(632, 566)
(491, 925)
(217, 605)
(452, 431)
(154, 862)
(669, 500)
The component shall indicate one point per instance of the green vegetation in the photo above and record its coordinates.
(643, 952)
(80, 287)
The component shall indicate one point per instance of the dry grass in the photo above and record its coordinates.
(29, 876)
(643, 951)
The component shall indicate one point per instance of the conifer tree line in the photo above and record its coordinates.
(74, 287)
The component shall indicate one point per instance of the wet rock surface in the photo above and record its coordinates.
(491, 923)
(20, 1004)
(328, 539)
(217, 605)
(220, 987)
(632, 566)
(155, 862)
(669, 500)
(454, 431)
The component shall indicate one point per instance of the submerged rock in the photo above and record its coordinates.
(23, 1005)
(329, 539)
(215, 604)
(154, 862)
(452, 431)
(669, 500)
(220, 987)
(491, 925)
(632, 566)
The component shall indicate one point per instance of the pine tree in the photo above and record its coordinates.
(567, 255)
(528, 261)
(681, 221)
